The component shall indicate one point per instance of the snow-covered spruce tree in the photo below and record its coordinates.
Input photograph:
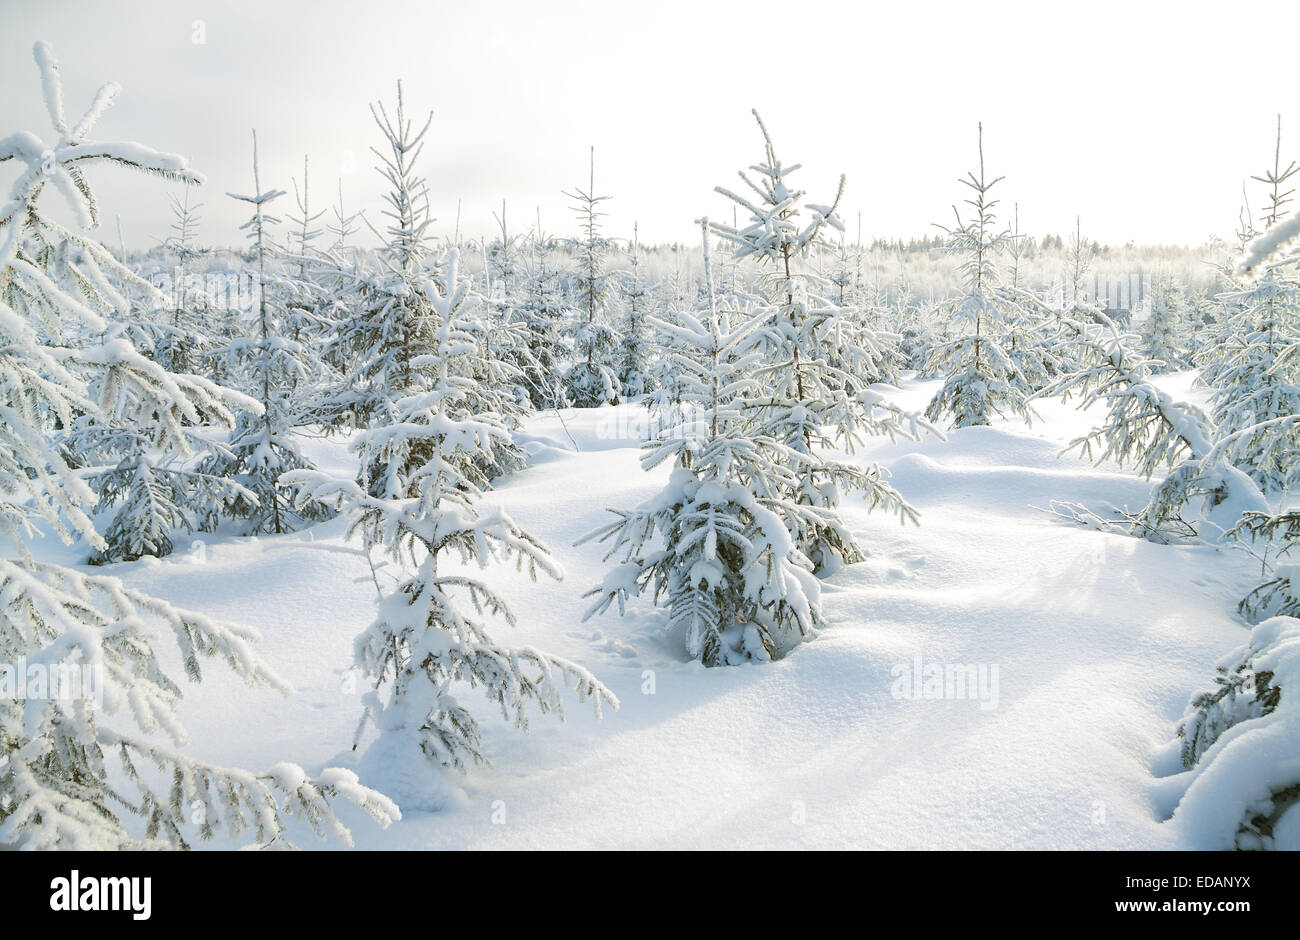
(227, 324)
(338, 278)
(269, 365)
(802, 400)
(1145, 428)
(841, 272)
(1252, 359)
(77, 774)
(635, 373)
(985, 376)
(1216, 344)
(149, 487)
(504, 331)
(1081, 254)
(1240, 743)
(1275, 179)
(541, 311)
(181, 342)
(917, 334)
(141, 462)
(1256, 377)
(1267, 443)
(494, 382)
(504, 268)
(1061, 312)
(402, 307)
(859, 346)
(1019, 248)
(591, 381)
(345, 225)
(870, 348)
(391, 323)
(1166, 328)
(1279, 594)
(303, 280)
(1202, 312)
(715, 544)
(429, 635)
(666, 401)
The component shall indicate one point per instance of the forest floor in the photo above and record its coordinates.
(1089, 645)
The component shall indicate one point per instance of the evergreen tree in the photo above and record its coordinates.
(74, 765)
(1262, 407)
(270, 364)
(590, 381)
(991, 365)
(150, 487)
(303, 281)
(1041, 329)
(635, 374)
(1258, 379)
(858, 344)
(1147, 429)
(715, 544)
(542, 314)
(918, 335)
(1240, 746)
(424, 504)
(506, 339)
(495, 382)
(1166, 325)
(138, 461)
(667, 402)
(182, 342)
(391, 324)
(1252, 359)
(804, 401)
(1279, 593)
(338, 290)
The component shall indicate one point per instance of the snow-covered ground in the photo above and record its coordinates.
(1089, 645)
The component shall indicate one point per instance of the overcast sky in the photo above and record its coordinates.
(1143, 117)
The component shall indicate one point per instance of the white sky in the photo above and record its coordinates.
(1143, 117)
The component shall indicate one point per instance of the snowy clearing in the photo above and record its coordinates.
(1098, 641)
